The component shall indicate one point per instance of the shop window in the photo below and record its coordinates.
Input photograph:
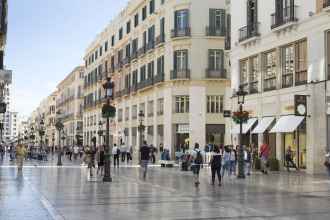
(150, 108)
(287, 66)
(134, 112)
(160, 106)
(301, 62)
(253, 74)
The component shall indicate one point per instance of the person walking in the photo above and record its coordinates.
(20, 155)
(115, 153)
(247, 160)
(215, 163)
(327, 161)
(2, 152)
(75, 152)
(123, 152)
(226, 162)
(264, 154)
(233, 158)
(100, 160)
(289, 159)
(197, 162)
(153, 152)
(129, 153)
(145, 157)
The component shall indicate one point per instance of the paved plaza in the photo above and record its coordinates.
(45, 191)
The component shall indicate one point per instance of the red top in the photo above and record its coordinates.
(264, 150)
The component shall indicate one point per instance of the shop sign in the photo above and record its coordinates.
(300, 105)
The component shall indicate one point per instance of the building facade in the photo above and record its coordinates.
(168, 60)
(69, 105)
(50, 120)
(280, 50)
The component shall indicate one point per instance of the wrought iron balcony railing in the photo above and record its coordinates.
(248, 32)
(159, 78)
(160, 39)
(286, 15)
(180, 74)
(181, 32)
(215, 31)
(213, 74)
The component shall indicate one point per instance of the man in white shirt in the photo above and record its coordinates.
(115, 153)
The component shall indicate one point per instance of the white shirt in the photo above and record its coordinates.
(114, 150)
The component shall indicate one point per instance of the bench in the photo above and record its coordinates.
(166, 163)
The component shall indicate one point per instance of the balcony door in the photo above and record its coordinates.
(181, 19)
(252, 17)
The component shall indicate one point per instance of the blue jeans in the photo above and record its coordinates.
(232, 167)
(225, 166)
(144, 165)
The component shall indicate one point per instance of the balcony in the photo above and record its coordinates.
(160, 40)
(145, 83)
(126, 91)
(159, 78)
(182, 32)
(118, 94)
(141, 51)
(134, 55)
(248, 33)
(215, 32)
(216, 74)
(183, 74)
(326, 5)
(134, 87)
(287, 80)
(126, 61)
(284, 18)
(150, 45)
(270, 84)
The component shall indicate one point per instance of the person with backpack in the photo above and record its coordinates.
(115, 153)
(215, 163)
(197, 162)
(247, 160)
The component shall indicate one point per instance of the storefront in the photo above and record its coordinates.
(181, 136)
(293, 132)
(246, 132)
(215, 134)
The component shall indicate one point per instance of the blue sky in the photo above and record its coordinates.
(47, 39)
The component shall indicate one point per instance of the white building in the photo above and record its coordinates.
(168, 60)
(281, 48)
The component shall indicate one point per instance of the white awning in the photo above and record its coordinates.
(263, 125)
(287, 124)
(246, 126)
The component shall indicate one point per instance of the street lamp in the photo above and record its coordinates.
(141, 129)
(242, 118)
(108, 111)
(59, 127)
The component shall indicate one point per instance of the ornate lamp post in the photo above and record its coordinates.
(108, 111)
(41, 133)
(59, 127)
(141, 129)
(241, 117)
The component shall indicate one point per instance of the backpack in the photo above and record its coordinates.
(199, 158)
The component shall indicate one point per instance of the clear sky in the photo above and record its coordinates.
(47, 39)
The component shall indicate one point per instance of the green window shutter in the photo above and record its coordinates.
(174, 60)
(223, 21)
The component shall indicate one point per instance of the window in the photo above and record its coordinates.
(328, 53)
(120, 115)
(128, 27)
(215, 59)
(217, 21)
(253, 74)
(120, 33)
(160, 65)
(135, 77)
(162, 28)
(142, 107)
(151, 70)
(144, 13)
(142, 73)
(96, 55)
(244, 74)
(101, 50)
(181, 60)
(152, 6)
(134, 112)
(151, 34)
(128, 50)
(106, 46)
(135, 46)
(136, 19)
(181, 19)
(150, 108)
(269, 70)
(160, 106)
(182, 104)
(301, 62)
(113, 40)
(144, 39)
(126, 113)
(287, 66)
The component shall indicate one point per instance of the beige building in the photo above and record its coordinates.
(50, 120)
(168, 60)
(281, 48)
(69, 105)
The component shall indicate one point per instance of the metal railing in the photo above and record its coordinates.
(150, 45)
(180, 74)
(248, 32)
(180, 32)
(220, 73)
(145, 83)
(287, 15)
(301, 78)
(141, 51)
(269, 84)
(215, 31)
(287, 80)
(160, 39)
(159, 78)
